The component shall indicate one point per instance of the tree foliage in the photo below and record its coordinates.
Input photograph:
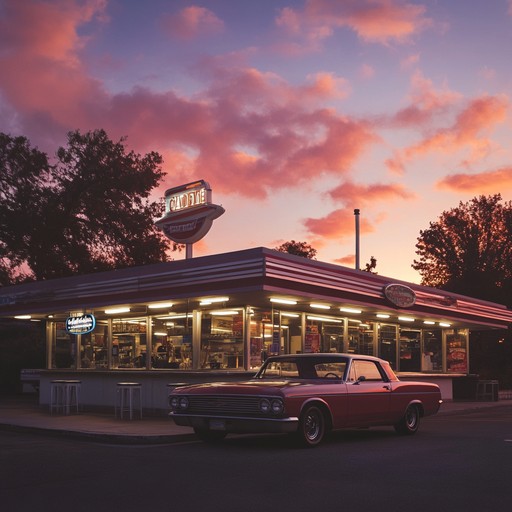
(370, 267)
(468, 249)
(298, 249)
(87, 211)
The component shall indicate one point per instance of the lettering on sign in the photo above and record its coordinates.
(187, 199)
(80, 324)
(400, 295)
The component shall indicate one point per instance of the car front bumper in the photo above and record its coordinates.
(236, 424)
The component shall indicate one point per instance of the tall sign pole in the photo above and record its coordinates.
(189, 213)
(356, 214)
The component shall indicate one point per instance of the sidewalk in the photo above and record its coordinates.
(23, 414)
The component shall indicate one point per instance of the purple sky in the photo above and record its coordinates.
(295, 112)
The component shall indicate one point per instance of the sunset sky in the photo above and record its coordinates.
(295, 111)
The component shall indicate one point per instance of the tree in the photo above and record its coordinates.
(298, 249)
(370, 267)
(89, 211)
(468, 250)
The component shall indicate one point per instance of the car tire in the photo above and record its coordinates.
(410, 421)
(312, 426)
(209, 436)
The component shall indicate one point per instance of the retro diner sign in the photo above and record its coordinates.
(400, 295)
(189, 212)
(80, 324)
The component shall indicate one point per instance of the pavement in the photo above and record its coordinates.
(22, 413)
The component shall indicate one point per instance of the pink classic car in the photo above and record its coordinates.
(306, 395)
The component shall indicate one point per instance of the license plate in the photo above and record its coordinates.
(217, 425)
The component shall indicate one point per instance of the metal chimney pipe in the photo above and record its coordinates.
(356, 214)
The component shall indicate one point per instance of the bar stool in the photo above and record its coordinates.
(57, 395)
(64, 394)
(128, 393)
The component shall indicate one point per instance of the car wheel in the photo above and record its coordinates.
(209, 436)
(410, 422)
(312, 426)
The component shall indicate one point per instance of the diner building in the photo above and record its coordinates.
(218, 317)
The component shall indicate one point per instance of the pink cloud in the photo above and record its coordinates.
(484, 182)
(192, 22)
(469, 131)
(378, 21)
(340, 222)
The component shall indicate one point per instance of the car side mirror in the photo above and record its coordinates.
(360, 379)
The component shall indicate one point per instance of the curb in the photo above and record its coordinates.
(121, 439)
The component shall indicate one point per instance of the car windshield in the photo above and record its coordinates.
(303, 368)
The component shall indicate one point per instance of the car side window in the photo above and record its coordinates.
(281, 369)
(331, 370)
(367, 369)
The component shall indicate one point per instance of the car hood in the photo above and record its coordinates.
(249, 387)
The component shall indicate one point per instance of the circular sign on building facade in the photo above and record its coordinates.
(80, 324)
(400, 295)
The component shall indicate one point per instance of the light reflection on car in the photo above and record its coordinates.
(306, 396)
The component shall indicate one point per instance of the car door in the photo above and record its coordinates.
(369, 393)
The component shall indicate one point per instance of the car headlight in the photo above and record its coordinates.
(277, 406)
(174, 402)
(183, 402)
(265, 406)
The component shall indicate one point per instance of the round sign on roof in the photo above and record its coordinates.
(189, 212)
(400, 295)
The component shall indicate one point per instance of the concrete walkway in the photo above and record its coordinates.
(23, 413)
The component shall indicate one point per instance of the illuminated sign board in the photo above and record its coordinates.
(400, 295)
(80, 324)
(189, 212)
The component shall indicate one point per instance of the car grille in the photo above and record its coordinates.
(224, 405)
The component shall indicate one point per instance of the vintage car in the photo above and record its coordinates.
(306, 395)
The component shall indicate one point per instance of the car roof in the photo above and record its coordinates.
(323, 355)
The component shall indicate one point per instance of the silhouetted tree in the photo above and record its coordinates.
(298, 249)
(87, 212)
(468, 250)
(370, 267)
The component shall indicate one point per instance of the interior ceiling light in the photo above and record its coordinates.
(429, 322)
(290, 315)
(23, 317)
(221, 312)
(445, 324)
(351, 310)
(324, 319)
(116, 311)
(406, 318)
(160, 305)
(283, 301)
(212, 300)
(382, 315)
(320, 306)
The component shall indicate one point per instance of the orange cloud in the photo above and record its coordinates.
(378, 21)
(192, 22)
(484, 182)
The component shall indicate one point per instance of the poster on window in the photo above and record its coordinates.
(312, 339)
(456, 355)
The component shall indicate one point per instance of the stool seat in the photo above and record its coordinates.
(128, 397)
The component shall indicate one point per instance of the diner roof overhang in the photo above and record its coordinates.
(250, 277)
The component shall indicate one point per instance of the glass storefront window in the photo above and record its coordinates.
(93, 347)
(172, 342)
(222, 339)
(387, 343)
(64, 347)
(360, 338)
(432, 360)
(410, 350)
(129, 343)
